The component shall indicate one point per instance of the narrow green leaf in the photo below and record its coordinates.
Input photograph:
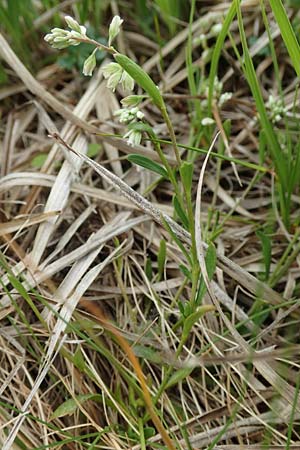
(147, 353)
(78, 360)
(266, 251)
(274, 147)
(287, 33)
(217, 52)
(178, 376)
(193, 318)
(70, 405)
(186, 272)
(147, 163)
(148, 269)
(180, 213)
(177, 240)
(141, 78)
(186, 171)
(161, 258)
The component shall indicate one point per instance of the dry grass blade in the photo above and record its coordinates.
(24, 222)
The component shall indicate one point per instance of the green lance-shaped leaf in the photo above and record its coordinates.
(69, 406)
(186, 171)
(147, 163)
(180, 212)
(161, 258)
(141, 78)
(193, 318)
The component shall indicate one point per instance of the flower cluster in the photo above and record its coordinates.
(112, 72)
(60, 38)
(218, 97)
(276, 108)
(130, 116)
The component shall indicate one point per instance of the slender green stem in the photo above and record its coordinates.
(97, 44)
(172, 134)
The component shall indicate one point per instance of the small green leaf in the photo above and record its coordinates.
(149, 432)
(93, 150)
(186, 171)
(180, 213)
(186, 272)
(161, 258)
(69, 406)
(78, 360)
(193, 318)
(39, 160)
(177, 240)
(147, 163)
(147, 353)
(148, 269)
(178, 376)
(141, 78)
(266, 251)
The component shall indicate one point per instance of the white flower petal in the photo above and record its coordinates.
(114, 29)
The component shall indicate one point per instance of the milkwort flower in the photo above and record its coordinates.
(90, 64)
(115, 74)
(114, 29)
(133, 137)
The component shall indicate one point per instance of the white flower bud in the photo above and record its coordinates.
(216, 29)
(90, 64)
(114, 29)
(73, 24)
(224, 98)
(132, 100)
(206, 121)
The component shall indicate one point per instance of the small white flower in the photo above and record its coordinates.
(224, 98)
(114, 29)
(90, 64)
(129, 115)
(206, 121)
(133, 137)
(113, 73)
(140, 115)
(216, 29)
(127, 82)
(202, 39)
(73, 24)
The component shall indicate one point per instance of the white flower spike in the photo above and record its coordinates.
(114, 29)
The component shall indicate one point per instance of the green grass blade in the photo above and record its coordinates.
(274, 147)
(217, 52)
(287, 33)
